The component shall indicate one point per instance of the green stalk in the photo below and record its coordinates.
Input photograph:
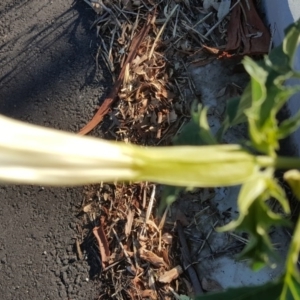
(291, 277)
(280, 162)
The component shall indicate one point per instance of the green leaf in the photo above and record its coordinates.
(277, 192)
(268, 93)
(205, 132)
(291, 288)
(256, 218)
(292, 177)
(258, 80)
(232, 108)
(268, 291)
(250, 191)
(291, 280)
(291, 41)
(197, 131)
(235, 111)
(236, 107)
(278, 60)
(281, 58)
(289, 126)
(257, 223)
(169, 195)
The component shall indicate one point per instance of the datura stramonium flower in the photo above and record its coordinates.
(31, 154)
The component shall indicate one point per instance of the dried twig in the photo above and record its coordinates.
(186, 261)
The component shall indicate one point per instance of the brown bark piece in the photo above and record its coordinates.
(246, 31)
(103, 245)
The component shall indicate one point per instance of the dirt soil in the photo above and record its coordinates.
(48, 77)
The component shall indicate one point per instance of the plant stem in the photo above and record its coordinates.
(280, 162)
(291, 264)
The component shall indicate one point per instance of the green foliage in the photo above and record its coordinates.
(197, 131)
(259, 105)
(256, 218)
(235, 111)
(270, 290)
(266, 94)
(293, 179)
(291, 286)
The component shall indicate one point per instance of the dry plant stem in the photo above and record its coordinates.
(136, 259)
(113, 264)
(122, 247)
(78, 250)
(151, 281)
(135, 25)
(159, 121)
(206, 238)
(163, 219)
(123, 13)
(175, 25)
(149, 209)
(159, 241)
(161, 31)
(150, 205)
(101, 19)
(186, 261)
(208, 33)
(145, 194)
(239, 238)
(110, 57)
(108, 102)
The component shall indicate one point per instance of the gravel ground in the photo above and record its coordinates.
(47, 77)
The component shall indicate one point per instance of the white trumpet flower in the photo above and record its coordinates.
(31, 154)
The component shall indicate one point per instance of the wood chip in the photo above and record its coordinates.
(103, 245)
(129, 222)
(152, 258)
(168, 276)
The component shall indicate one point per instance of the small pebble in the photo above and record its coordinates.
(63, 294)
(64, 277)
(78, 279)
(64, 269)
